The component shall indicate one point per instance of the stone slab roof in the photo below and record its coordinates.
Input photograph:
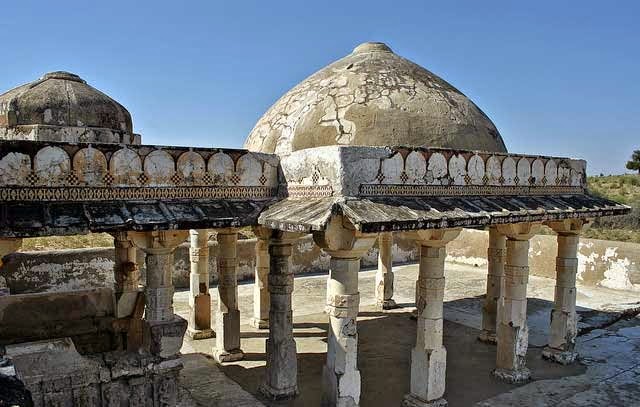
(28, 219)
(377, 214)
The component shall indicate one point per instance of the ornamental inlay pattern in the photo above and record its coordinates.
(467, 190)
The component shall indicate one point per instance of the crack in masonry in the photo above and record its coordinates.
(624, 314)
(619, 373)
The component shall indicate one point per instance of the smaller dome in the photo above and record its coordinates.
(62, 99)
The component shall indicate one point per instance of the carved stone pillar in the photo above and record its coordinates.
(227, 312)
(384, 275)
(7, 245)
(261, 298)
(199, 297)
(512, 330)
(126, 275)
(129, 298)
(496, 254)
(341, 377)
(163, 330)
(564, 324)
(281, 381)
(429, 356)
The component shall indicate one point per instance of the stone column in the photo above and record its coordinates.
(281, 381)
(496, 254)
(261, 303)
(564, 323)
(227, 313)
(7, 245)
(384, 275)
(126, 275)
(512, 330)
(129, 298)
(199, 297)
(163, 330)
(429, 356)
(340, 376)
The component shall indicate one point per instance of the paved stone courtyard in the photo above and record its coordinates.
(607, 374)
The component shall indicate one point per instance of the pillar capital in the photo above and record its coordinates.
(340, 239)
(568, 226)
(122, 240)
(227, 231)
(158, 241)
(262, 232)
(519, 231)
(200, 233)
(434, 237)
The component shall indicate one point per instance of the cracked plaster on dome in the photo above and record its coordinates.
(373, 97)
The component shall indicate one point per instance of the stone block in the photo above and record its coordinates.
(428, 370)
(164, 338)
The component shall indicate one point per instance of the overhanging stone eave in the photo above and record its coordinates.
(380, 214)
(32, 219)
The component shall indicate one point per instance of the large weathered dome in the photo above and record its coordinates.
(377, 98)
(60, 106)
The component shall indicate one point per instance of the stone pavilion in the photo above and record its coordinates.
(370, 146)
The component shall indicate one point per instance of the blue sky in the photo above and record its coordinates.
(557, 77)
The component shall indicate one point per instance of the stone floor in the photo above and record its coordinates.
(607, 375)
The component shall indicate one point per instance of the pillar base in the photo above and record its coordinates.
(387, 305)
(488, 337)
(278, 394)
(259, 323)
(197, 334)
(225, 356)
(563, 357)
(164, 338)
(411, 400)
(513, 376)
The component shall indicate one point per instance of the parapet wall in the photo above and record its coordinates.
(615, 265)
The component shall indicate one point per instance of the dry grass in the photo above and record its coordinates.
(620, 188)
(67, 242)
(90, 240)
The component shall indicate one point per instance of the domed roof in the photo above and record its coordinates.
(62, 99)
(374, 97)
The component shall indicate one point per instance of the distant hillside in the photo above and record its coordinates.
(620, 188)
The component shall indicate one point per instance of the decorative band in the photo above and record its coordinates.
(133, 193)
(309, 191)
(464, 190)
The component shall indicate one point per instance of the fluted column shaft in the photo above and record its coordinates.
(564, 323)
(281, 379)
(341, 377)
(261, 297)
(496, 254)
(429, 356)
(163, 331)
(199, 297)
(384, 275)
(512, 329)
(227, 312)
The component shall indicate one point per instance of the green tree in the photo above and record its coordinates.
(634, 164)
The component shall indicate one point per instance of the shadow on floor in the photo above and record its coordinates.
(385, 342)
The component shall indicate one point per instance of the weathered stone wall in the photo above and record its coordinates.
(80, 269)
(614, 265)
(84, 315)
